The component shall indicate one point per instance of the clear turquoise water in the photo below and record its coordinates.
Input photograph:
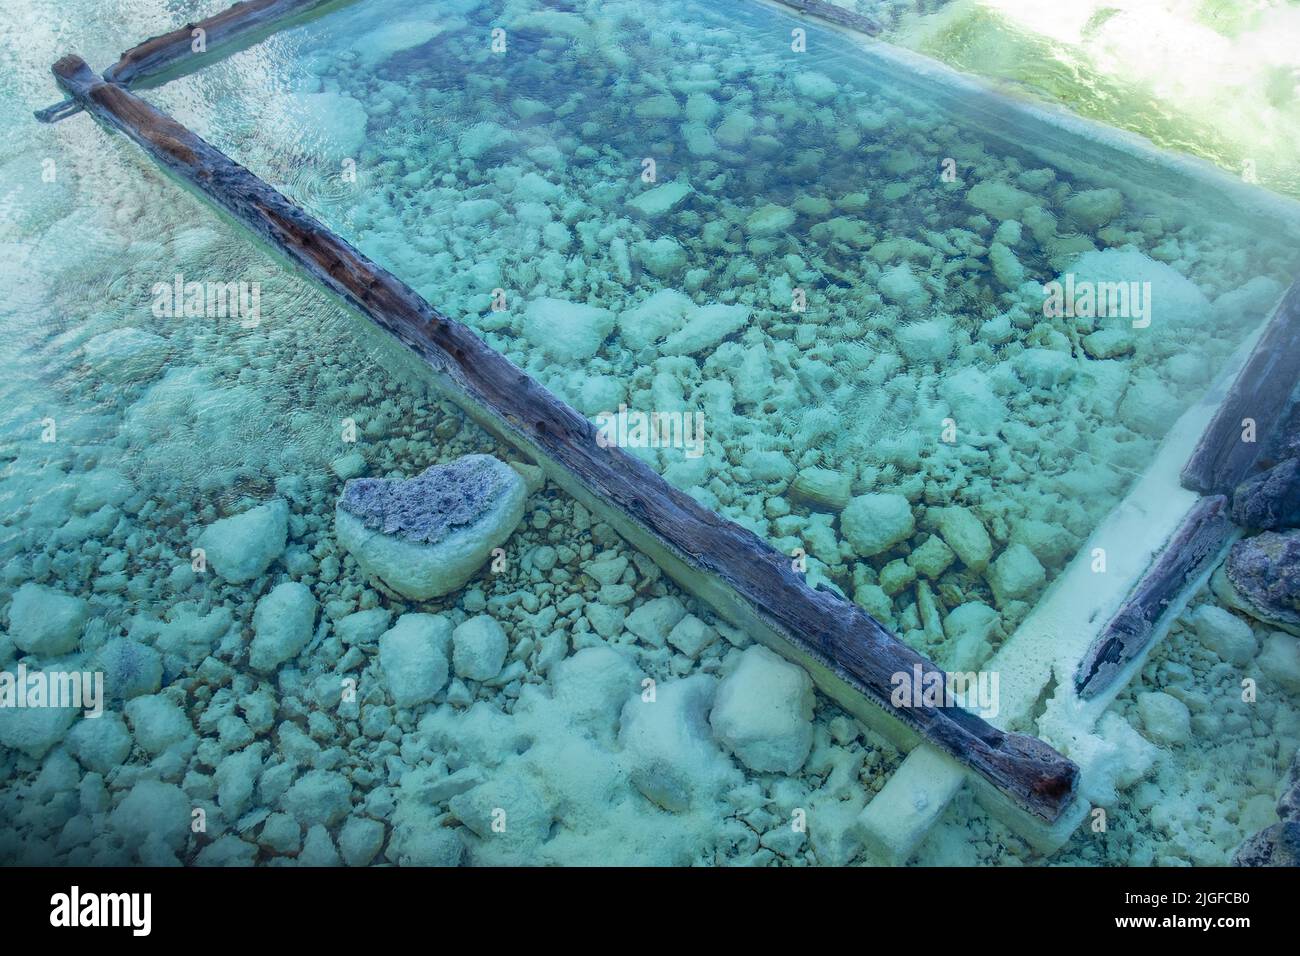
(212, 418)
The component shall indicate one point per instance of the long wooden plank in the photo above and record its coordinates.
(835, 14)
(240, 25)
(1257, 403)
(1190, 555)
(709, 555)
(174, 53)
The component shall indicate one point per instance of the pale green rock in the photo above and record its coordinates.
(45, 621)
(242, 547)
(1094, 208)
(567, 331)
(932, 558)
(967, 536)
(660, 200)
(282, 625)
(1000, 200)
(413, 658)
(1015, 574)
(769, 220)
(872, 523)
(663, 257)
(705, 328)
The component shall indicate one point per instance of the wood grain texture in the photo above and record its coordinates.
(1262, 393)
(835, 14)
(171, 54)
(703, 547)
(245, 22)
(1192, 552)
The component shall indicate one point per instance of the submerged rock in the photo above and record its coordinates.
(479, 648)
(567, 331)
(241, 547)
(662, 199)
(1015, 574)
(425, 536)
(126, 355)
(965, 534)
(670, 753)
(1278, 845)
(1262, 578)
(413, 657)
(1270, 500)
(45, 621)
(763, 712)
(282, 625)
(872, 523)
(130, 669)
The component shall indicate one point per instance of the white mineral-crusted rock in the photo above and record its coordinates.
(318, 848)
(668, 746)
(1279, 659)
(360, 840)
(319, 796)
(426, 536)
(1000, 200)
(45, 621)
(592, 686)
(282, 625)
(763, 712)
(1015, 574)
(705, 328)
(1226, 635)
(157, 722)
(34, 730)
(1093, 208)
(391, 38)
(662, 313)
(654, 619)
(479, 648)
(900, 286)
(962, 531)
(660, 200)
(413, 657)
(691, 636)
(769, 220)
(969, 628)
(1166, 718)
(100, 743)
(871, 523)
(126, 355)
(566, 331)
(482, 139)
(517, 803)
(818, 87)
(130, 668)
(153, 809)
(663, 257)
(241, 547)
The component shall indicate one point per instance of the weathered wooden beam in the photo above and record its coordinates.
(1257, 403)
(174, 53)
(232, 29)
(741, 575)
(831, 13)
(1191, 554)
